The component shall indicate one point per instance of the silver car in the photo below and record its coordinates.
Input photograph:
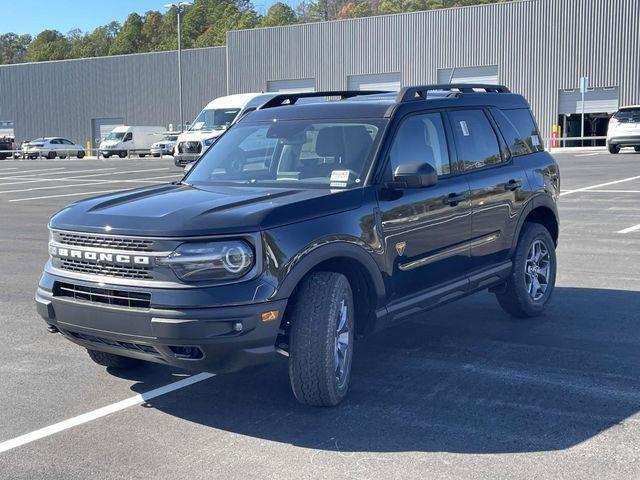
(52, 147)
(624, 129)
(164, 146)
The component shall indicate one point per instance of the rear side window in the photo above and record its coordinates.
(475, 139)
(521, 132)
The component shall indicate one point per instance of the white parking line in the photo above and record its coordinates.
(93, 182)
(591, 187)
(74, 178)
(630, 229)
(10, 168)
(101, 412)
(588, 154)
(610, 191)
(64, 195)
(38, 170)
(27, 174)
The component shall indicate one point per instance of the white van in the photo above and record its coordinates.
(128, 140)
(212, 121)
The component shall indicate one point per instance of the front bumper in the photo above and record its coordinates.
(161, 151)
(182, 159)
(227, 338)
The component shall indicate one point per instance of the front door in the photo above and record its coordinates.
(425, 230)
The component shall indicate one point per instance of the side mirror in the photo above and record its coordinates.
(415, 175)
(188, 167)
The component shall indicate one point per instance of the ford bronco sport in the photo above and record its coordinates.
(308, 225)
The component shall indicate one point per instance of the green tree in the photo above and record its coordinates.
(279, 14)
(13, 48)
(48, 45)
(152, 31)
(129, 37)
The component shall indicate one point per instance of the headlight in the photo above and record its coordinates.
(211, 260)
(209, 141)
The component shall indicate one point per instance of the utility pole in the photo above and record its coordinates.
(180, 6)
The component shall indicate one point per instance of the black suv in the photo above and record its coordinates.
(307, 225)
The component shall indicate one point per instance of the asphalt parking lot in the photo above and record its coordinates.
(463, 392)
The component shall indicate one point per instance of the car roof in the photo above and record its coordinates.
(629, 107)
(383, 104)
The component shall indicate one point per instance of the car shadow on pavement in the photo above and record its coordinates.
(465, 378)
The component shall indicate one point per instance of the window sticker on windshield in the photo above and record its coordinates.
(339, 178)
(465, 129)
(535, 140)
(197, 125)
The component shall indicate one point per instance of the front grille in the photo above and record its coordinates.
(120, 271)
(190, 147)
(106, 296)
(116, 243)
(135, 347)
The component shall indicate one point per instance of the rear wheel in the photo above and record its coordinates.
(80, 154)
(113, 361)
(613, 148)
(106, 155)
(533, 278)
(321, 339)
(637, 149)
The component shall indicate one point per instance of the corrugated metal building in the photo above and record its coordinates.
(539, 48)
(79, 98)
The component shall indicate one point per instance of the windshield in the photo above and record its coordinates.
(301, 153)
(214, 119)
(115, 136)
(170, 138)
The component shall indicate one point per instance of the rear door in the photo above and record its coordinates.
(425, 230)
(497, 185)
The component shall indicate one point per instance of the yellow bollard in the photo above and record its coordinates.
(88, 149)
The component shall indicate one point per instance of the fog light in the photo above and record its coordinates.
(237, 327)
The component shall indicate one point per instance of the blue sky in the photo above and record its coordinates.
(33, 16)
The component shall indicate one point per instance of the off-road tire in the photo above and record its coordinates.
(515, 298)
(110, 360)
(314, 321)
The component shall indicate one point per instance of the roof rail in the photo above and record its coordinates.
(292, 98)
(420, 92)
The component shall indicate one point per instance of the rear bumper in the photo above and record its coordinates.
(631, 140)
(225, 338)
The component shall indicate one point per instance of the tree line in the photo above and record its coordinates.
(204, 24)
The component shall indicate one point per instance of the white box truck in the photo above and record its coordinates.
(130, 140)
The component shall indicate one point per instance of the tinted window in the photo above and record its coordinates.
(528, 136)
(628, 115)
(476, 142)
(128, 136)
(420, 139)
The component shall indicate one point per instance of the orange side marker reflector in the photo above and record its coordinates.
(270, 315)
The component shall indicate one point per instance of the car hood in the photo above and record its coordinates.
(198, 136)
(109, 143)
(174, 210)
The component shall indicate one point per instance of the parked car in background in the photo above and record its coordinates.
(212, 121)
(7, 145)
(624, 129)
(52, 147)
(165, 145)
(130, 140)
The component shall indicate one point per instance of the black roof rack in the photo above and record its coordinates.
(292, 98)
(420, 92)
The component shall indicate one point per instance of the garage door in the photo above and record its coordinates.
(376, 81)
(292, 86)
(484, 74)
(101, 127)
(596, 100)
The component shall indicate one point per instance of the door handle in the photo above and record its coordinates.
(454, 199)
(513, 185)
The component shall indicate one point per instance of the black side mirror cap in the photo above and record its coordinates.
(415, 175)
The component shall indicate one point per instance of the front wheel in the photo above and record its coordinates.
(613, 148)
(122, 154)
(532, 280)
(110, 360)
(321, 339)
(637, 149)
(51, 155)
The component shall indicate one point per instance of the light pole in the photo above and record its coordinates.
(180, 6)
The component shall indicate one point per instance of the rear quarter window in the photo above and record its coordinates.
(519, 130)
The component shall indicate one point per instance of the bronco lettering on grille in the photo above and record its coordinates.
(99, 257)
